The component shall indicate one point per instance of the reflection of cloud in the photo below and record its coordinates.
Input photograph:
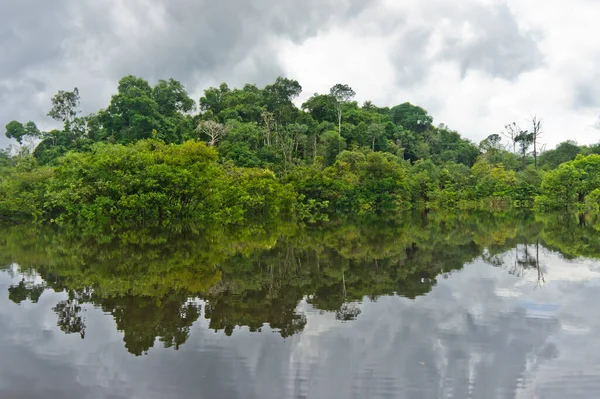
(480, 333)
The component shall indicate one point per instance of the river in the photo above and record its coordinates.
(471, 306)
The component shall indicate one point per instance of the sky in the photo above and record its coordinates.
(475, 65)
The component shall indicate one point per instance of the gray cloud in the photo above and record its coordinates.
(587, 93)
(32, 33)
(477, 37)
(47, 46)
(497, 46)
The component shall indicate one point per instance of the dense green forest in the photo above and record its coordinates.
(247, 276)
(156, 156)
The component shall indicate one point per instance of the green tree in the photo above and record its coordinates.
(525, 140)
(133, 113)
(322, 107)
(589, 180)
(411, 117)
(564, 152)
(341, 93)
(375, 132)
(16, 130)
(65, 106)
(559, 187)
(171, 98)
(278, 98)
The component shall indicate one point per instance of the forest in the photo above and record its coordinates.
(155, 156)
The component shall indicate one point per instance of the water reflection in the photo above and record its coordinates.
(344, 294)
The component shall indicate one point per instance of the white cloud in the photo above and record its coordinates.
(477, 103)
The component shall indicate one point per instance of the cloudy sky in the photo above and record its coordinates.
(475, 65)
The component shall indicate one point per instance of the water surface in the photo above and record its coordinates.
(473, 306)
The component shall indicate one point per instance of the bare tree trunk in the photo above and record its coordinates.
(339, 129)
(541, 278)
(537, 132)
(535, 152)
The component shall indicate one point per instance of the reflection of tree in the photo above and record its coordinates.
(571, 235)
(69, 317)
(253, 309)
(143, 319)
(25, 290)
(347, 312)
(259, 274)
(540, 274)
(526, 257)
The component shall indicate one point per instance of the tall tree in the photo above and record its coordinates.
(525, 139)
(411, 117)
(322, 107)
(15, 130)
(133, 112)
(65, 106)
(536, 132)
(214, 130)
(511, 131)
(278, 99)
(492, 143)
(341, 93)
(214, 99)
(171, 97)
(29, 132)
(375, 131)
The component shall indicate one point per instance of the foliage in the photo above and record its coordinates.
(140, 160)
(568, 186)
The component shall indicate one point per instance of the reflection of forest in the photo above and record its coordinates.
(251, 276)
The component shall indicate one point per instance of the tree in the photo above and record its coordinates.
(536, 132)
(133, 112)
(375, 132)
(492, 144)
(16, 130)
(322, 107)
(564, 152)
(332, 145)
(171, 97)
(511, 131)
(571, 182)
(214, 130)
(65, 106)
(214, 99)
(558, 188)
(341, 93)
(278, 99)
(288, 140)
(411, 117)
(589, 180)
(525, 139)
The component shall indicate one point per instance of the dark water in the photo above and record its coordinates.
(437, 307)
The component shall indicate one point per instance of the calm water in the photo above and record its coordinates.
(437, 307)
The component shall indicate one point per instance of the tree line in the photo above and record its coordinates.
(154, 154)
